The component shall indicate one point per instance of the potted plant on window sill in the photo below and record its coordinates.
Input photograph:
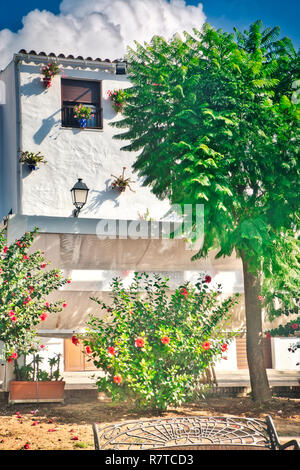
(35, 385)
(49, 71)
(121, 183)
(82, 114)
(31, 159)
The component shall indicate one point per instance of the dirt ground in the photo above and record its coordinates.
(68, 426)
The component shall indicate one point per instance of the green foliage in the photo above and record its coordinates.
(153, 344)
(25, 284)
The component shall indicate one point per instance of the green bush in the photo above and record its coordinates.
(153, 344)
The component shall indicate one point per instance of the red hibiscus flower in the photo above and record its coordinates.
(184, 292)
(117, 379)
(268, 335)
(88, 349)
(43, 316)
(206, 345)
(224, 347)
(64, 305)
(47, 304)
(26, 446)
(25, 257)
(165, 340)
(259, 297)
(13, 318)
(69, 281)
(295, 326)
(5, 249)
(11, 313)
(31, 288)
(75, 340)
(207, 279)
(43, 265)
(140, 342)
(0, 271)
(14, 355)
(74, 438)
(112, 350)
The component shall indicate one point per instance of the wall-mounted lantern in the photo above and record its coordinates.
(79, 194)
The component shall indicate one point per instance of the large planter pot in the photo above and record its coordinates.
(82, 123)
(32, 392)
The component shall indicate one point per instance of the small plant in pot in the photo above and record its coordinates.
(82, 114)
(31, 159)
(118, 99)
(49, 71)
(120, 183)
(35, 384)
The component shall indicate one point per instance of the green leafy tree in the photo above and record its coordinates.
(153, 344)
(25, 284)
(212, 127)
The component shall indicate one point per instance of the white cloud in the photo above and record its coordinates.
(99, 28)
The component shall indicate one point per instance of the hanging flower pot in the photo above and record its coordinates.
(32, 167)
(120, 183)
(117, 98)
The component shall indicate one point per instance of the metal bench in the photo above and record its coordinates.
(191, 433)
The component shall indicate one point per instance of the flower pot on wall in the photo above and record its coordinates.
(82, 123)
(47, 82)
(36, 391)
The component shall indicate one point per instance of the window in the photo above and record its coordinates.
(85, 92)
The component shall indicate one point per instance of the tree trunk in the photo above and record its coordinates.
(258, 376)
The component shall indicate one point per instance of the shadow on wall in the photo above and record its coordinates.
(97, 198)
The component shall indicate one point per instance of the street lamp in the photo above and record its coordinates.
(79, 194)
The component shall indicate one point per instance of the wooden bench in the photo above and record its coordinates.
(191, 433)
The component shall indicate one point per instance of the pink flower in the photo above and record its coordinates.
(43, 316)
(259, 297)
(26, 446)
(47, 304)
(25, 257)
(14, 355)
(13, 319)
(64, 305)
(294, 326)
(42, 346)
(11, 313)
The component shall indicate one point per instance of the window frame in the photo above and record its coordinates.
(70, 122)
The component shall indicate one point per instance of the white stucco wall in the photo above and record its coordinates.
(92, 155)
(282, 358)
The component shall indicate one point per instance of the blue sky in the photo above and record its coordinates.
(220, 13)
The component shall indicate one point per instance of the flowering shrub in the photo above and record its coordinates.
(82, 112)
(285, 330)
(24, 285)
(153, 344)
(117, 98)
